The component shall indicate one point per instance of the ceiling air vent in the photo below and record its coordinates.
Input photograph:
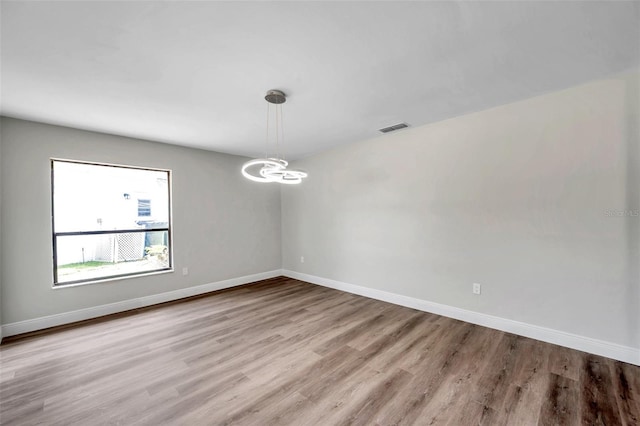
(394, 128)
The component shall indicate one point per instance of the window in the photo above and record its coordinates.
(103, 223)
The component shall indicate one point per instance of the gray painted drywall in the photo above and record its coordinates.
(223, 225)
(632, 109)
(1, 231)
(515, 198)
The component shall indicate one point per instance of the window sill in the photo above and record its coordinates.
(108, 280)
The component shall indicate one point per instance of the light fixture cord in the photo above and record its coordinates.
(277, 131)
(266, 145)
(282, 133)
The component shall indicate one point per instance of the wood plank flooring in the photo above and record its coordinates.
(283, 352)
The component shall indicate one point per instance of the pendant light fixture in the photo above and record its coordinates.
(273, 168)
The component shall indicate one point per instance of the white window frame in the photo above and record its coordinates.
(55, 235)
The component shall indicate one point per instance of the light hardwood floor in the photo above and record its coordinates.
(286, 352)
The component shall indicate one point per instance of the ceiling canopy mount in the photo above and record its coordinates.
(275, 97)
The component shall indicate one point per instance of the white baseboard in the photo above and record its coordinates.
(41, 323)
(557, 337)
(573, 341)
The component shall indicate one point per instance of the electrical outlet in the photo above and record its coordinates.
(301, 259)
(185, 271)
(476, 288)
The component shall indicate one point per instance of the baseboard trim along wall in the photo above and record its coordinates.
(569, 340)
(41, 323)
(557, 337)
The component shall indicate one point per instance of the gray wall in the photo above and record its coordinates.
(223, 225)
(1, 231)
(515, 198)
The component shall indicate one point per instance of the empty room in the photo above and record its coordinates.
(320, 213)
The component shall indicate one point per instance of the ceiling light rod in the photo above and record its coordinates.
(273, 169)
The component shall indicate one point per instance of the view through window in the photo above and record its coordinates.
(109, 221)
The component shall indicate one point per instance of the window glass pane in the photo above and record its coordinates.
(88, 197)
(86, 257)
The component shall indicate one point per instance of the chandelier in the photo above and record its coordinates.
(273, 168)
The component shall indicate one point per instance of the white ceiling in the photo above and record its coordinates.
(195, 73)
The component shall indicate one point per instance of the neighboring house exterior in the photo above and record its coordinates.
(112, 204)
